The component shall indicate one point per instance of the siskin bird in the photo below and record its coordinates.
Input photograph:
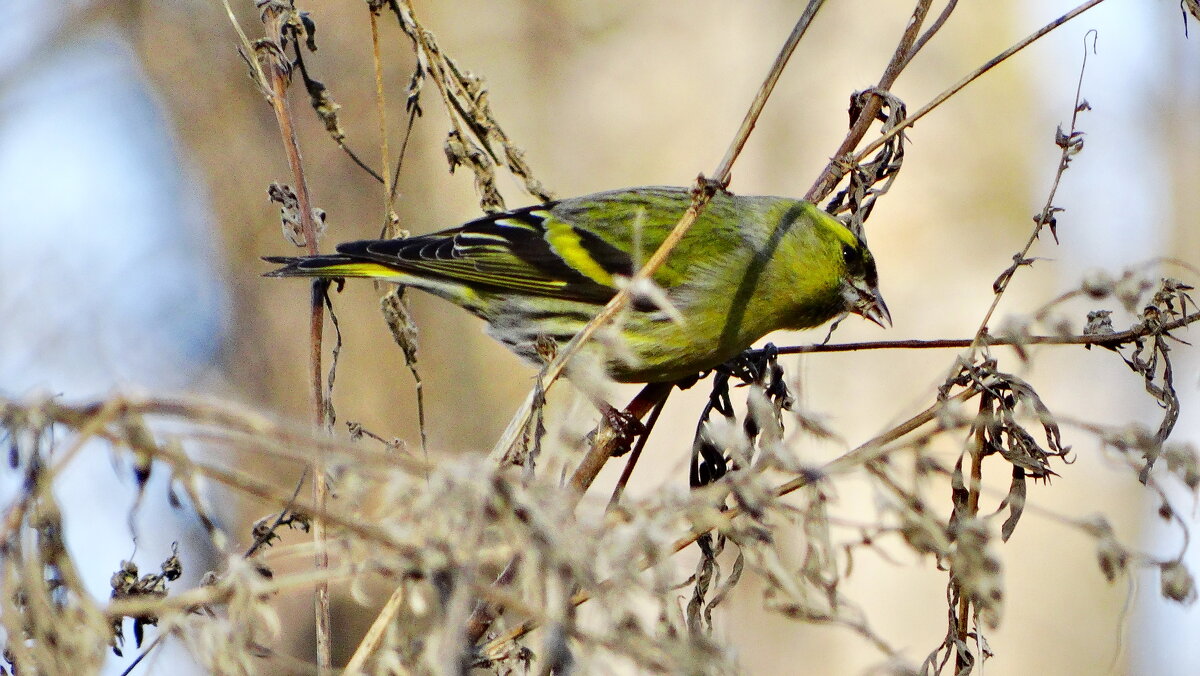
(749, 266)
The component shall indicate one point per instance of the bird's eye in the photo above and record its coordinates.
(854, 259)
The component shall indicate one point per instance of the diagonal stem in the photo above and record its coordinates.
(837, 167)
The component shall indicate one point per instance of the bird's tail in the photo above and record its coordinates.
(332, 265)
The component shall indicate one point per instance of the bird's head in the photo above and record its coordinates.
(860, 281)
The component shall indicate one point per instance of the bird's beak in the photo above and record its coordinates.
(868, 303)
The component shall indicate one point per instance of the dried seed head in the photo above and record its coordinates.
(1177, 582)
(1182, 461)
(977, 569)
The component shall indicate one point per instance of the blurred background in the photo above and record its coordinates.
(135, 156)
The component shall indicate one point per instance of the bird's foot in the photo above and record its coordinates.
(625, 429)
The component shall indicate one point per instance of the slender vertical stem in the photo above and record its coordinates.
(276, 68)
(974, 484)
(381, 107)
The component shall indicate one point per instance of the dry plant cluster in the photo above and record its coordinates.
(492, 563)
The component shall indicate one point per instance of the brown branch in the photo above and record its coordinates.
(270, 53)
(607, 439)
(1109, 340)
(381, 108)
(937, 26)
(721, 175)
(837, 167)
(636, 453)
(594, 460)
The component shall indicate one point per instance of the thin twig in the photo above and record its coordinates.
(721, 175)
(271, 53)
(1046, 216)
(283, 515)
(963, 614)
(969, 78)
(412, 119)
(1099, 339)
(837, 167)
(937, 26)
(374, 636)
(381, 109)
(158, 640)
